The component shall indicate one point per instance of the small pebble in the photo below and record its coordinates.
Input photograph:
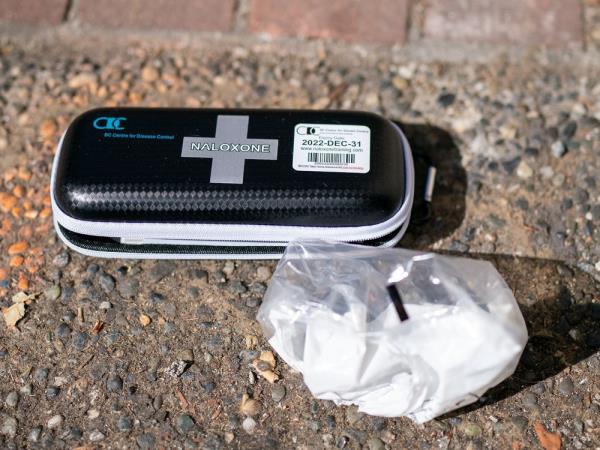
(93, 414)
(145, 320)
(532, 152)
(27, 389)
(54, 422)
(314, 425)
(558, 149)
(124, 424)
(530, 401)
(238, 287)
(129, 287)
(458, 246)
(249, 424)
(96, 436)
(314, 407)
(63, 331)
(114, 383)
(258, 288)
(184, 424)
(9, 427)
(18, 248)
(209, 386)
(199, 274)
(569, 130)
(12, 399)
(379, 423)
(580, 196)
(149, 74)
(547, 172)
(157, 402)
(155, 298)
(252, 302)
(277, 392)
(52, 392)
(263, 273)
(520, 422)
(193, 292)
(79, 340)
(471, 429)
(375, 443)
(446, 99)
(353, 415)
(52, 293)
(342, 442)
(522, 204)
(75, 434)
(219, 276)
(107, 282)
(61, 260)
(331, 421)
(34, 434)
(145, 441)
(579, 426)
(524, 171)
(177, 368)
(228, 268)
(566, 387)
(161, 269)
(41, 374)
(67, 293)
(511, 164)
(228, 436)
(558, 180)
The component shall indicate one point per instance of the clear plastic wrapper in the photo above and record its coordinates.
(396, 332)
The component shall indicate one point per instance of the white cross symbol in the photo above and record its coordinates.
(229, 149)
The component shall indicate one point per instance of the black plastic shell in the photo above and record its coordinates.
(100, 178)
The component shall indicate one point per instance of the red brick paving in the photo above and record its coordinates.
(554, 23)
(49, 12)
(196, 15)
(378, 21)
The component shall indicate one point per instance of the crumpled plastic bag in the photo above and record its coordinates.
(396, 332)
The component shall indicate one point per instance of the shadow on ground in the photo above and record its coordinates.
(435, 146)
(557, 301)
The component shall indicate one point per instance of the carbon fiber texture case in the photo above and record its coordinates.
(129, 165)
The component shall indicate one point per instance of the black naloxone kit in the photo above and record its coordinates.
(230, 183)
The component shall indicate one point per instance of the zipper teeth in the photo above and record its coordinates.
(167, 249)
(228, 243)
(262, 232)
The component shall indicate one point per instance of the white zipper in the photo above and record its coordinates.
(140, 231)
(148, 255)
(203, 242)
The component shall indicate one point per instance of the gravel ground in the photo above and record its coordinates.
(120, 353)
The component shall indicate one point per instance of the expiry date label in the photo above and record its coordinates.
(332, 148)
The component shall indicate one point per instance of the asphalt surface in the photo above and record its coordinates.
(122, 353)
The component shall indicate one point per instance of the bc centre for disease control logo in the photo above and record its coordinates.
(307, 130)
(109, 123)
